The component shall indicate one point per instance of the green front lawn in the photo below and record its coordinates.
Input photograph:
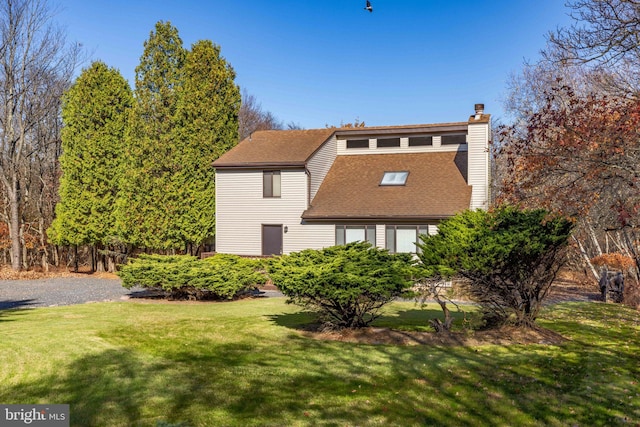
(243, 363)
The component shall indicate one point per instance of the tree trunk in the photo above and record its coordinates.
(594, 238)
(43, 245)
(14, 229)
(56, 256)
(437, 324)
(629, 240)
(23, 243)
(587, 260)
(111, 264)
(99, 258)
(92, 260)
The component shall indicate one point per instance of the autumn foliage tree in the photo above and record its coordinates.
(578, 155)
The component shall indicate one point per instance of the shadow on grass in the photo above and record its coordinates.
(10, 309)
(304, 320)
(307, 382)
(413, 319)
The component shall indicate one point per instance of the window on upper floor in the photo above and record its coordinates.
(420, 141)
(271, 184)
(388, 142)
(394, 178)
(355, 233)
(453, 139)
(357, 143)
(403, 238)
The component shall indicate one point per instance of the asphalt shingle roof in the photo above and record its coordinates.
(275, 148)
(435, 188)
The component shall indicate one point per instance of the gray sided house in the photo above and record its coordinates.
(282, 191)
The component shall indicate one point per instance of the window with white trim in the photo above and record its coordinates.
(403, 238)
(355, 233)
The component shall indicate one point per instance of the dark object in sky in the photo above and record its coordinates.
(368, 7)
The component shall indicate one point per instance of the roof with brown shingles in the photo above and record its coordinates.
(435, 188)
(292, 148)
(275, 148)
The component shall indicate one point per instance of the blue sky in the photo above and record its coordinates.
(324, 62)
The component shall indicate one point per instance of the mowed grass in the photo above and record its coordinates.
(245, 364)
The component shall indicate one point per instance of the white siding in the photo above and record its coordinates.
(403, 149)
(380, 235)
(320, 163)
(241, 210)
(478, 164)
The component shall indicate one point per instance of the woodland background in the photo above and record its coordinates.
(92, 170)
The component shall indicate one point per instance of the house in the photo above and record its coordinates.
(282, 191)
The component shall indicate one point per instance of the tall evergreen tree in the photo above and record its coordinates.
(207, 126)
(147, 205)
(185, 116)
(94, 114)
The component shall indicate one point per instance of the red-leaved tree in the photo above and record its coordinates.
(580, 156)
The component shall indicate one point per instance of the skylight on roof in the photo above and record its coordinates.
(394, 178)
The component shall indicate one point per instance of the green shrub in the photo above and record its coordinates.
(346, 285)
(186, 277)
(508, 258)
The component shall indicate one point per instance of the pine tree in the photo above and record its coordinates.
(94, 114)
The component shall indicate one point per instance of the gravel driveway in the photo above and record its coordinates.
(78, 290)
(60, 291)
(74, 290)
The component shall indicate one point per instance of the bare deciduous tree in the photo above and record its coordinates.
(36, 65)
(598, 58)
(252, 117)
(605, 36)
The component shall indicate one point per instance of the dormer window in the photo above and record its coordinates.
(388, 142)
(454, 139)
(420, 141)
(357, 143)
(394, 178)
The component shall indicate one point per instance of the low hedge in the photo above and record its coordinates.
(221, 277)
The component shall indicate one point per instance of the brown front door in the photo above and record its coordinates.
(271, 239)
